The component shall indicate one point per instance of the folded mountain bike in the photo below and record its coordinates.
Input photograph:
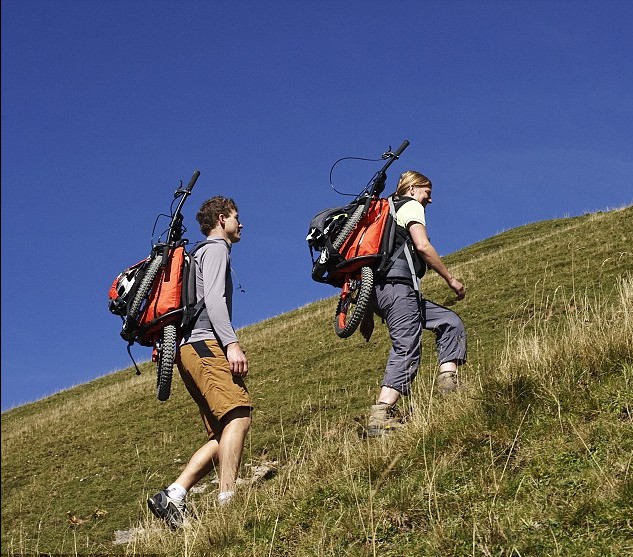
(354, 243)
(149, 295)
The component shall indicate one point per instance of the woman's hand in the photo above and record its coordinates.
(457, 287)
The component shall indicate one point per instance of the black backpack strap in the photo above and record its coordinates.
(407, 253)
(389, 240)
(392, 235)
(193, 314)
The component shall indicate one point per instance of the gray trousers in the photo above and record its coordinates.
(397, 305)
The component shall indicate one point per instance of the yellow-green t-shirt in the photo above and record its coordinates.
(410, 212)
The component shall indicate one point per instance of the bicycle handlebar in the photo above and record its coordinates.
(402, 147)
(192, 182)
(393, 156)
(175, 226)
(377, 183)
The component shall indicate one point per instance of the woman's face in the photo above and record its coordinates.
(422, 194)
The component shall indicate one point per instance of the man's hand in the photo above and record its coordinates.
(237, 359)
(457, 287)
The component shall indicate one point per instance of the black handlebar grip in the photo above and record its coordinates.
(402, 147)
(192, 182)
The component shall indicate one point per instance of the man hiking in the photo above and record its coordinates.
(213, 366)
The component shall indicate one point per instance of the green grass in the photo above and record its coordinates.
(532, 457)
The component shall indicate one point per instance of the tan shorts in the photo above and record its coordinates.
(206, 373)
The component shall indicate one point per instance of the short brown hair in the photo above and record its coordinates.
(411, 178)
(210, 211)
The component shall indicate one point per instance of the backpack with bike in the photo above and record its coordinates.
(357, 244)
(156, 297)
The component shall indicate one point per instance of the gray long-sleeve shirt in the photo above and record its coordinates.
(214, 283)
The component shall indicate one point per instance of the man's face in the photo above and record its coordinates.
(233, 227)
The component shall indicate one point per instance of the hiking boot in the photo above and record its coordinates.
(170, 510)
(446, 382)
(382, 420)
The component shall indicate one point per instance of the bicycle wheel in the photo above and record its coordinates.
(145, 287)
(349, 226)
(165, 362)
(353, 302)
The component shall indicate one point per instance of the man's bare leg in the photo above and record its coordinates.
(230, 451)
(201, 463)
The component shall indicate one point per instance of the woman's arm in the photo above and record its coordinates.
(426, 250)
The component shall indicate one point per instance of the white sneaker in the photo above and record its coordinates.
(225, 497)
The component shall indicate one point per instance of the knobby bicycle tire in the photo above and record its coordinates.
(348, 227)
(145, 287)
(353, 302)
(165, 362)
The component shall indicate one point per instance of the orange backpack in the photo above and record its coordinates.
(366, 239)
(170, 295)
(370, 243)
(145, 315)
(164, 305)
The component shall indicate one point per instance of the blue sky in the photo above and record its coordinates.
(518, 112)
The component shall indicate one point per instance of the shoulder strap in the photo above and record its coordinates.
(387, 246)
(193, 309)
(208, 241)
(407, 252)
(402, 199)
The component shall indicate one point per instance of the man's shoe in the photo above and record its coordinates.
(170, 510)
(447, 382)
(383, 420)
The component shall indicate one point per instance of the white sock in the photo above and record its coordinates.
(176, 491)
(225, 496)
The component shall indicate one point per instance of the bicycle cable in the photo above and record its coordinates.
(154, 242)
(170, 217)
(350, 158)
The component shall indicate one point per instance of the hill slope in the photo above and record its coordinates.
(531, 457)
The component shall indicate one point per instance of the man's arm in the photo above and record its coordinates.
(214, 273)
(424, 247)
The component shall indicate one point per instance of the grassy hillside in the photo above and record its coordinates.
(533, 456)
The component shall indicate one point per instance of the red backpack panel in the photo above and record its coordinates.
(166, 296)
(366, 238)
